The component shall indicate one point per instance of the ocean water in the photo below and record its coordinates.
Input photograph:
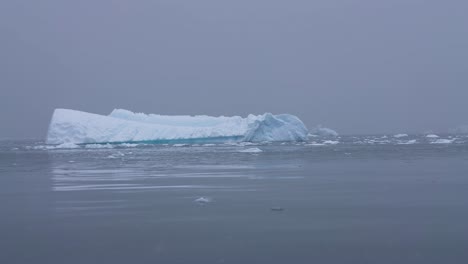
(354, 199)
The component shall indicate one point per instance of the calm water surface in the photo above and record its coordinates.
(349, 200)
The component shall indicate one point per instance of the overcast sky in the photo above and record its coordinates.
(358, 66)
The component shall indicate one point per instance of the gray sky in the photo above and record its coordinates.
(358, 66)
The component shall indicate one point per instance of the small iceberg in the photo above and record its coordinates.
(409, 142)
(203, 200)
(443, 141)
(400, 135)
(432, 136)
(320, 131)
(463, 129)
(251, 150)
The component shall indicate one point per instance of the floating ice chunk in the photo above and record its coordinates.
(315, 144)
(251, 150)
(323, 132)
(69, 126)
(128, 145)
(330, 142)
(203, 200)
(432, 136)
(61, 146)
(443, 141)
(99, 146)
(409, 142)
(180, 145)
(400, 135)
(67, 146)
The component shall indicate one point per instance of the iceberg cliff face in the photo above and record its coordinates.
(70, 126)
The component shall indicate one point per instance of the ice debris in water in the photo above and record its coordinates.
(320, 131)
(60, 146)
(203, 200)
(70, 126)
(180, 145)
(400, 135)
(432, 136)
(331, 142)
(315, 144)
(251, 150)
(443, 141)
(99, 146)
(409, 142)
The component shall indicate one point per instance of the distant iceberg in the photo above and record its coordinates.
(323, 132)
(70, 126)
(459, 130)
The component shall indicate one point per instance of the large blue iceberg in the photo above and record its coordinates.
(70, 126)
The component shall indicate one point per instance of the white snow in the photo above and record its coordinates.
(251, 150)
(70, 126)
(400, 135)
(432, 136)
(323, 132)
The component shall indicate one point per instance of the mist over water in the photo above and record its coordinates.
(388, 186)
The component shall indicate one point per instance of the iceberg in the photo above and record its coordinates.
(123, 126)
(463, 129)
(443, 141)
(323, 132)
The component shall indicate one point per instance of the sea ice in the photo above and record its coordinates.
(400, 135)
(203, 200)
(432, 136)
(443, 141)
(251, 150)
(409, 142)
(70, 126)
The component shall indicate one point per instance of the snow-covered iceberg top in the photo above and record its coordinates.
(70, 126)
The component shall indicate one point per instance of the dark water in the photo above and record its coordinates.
(358, 200)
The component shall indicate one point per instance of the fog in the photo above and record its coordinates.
(359, 66)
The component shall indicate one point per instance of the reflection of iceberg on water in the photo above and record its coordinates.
(70, 126)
